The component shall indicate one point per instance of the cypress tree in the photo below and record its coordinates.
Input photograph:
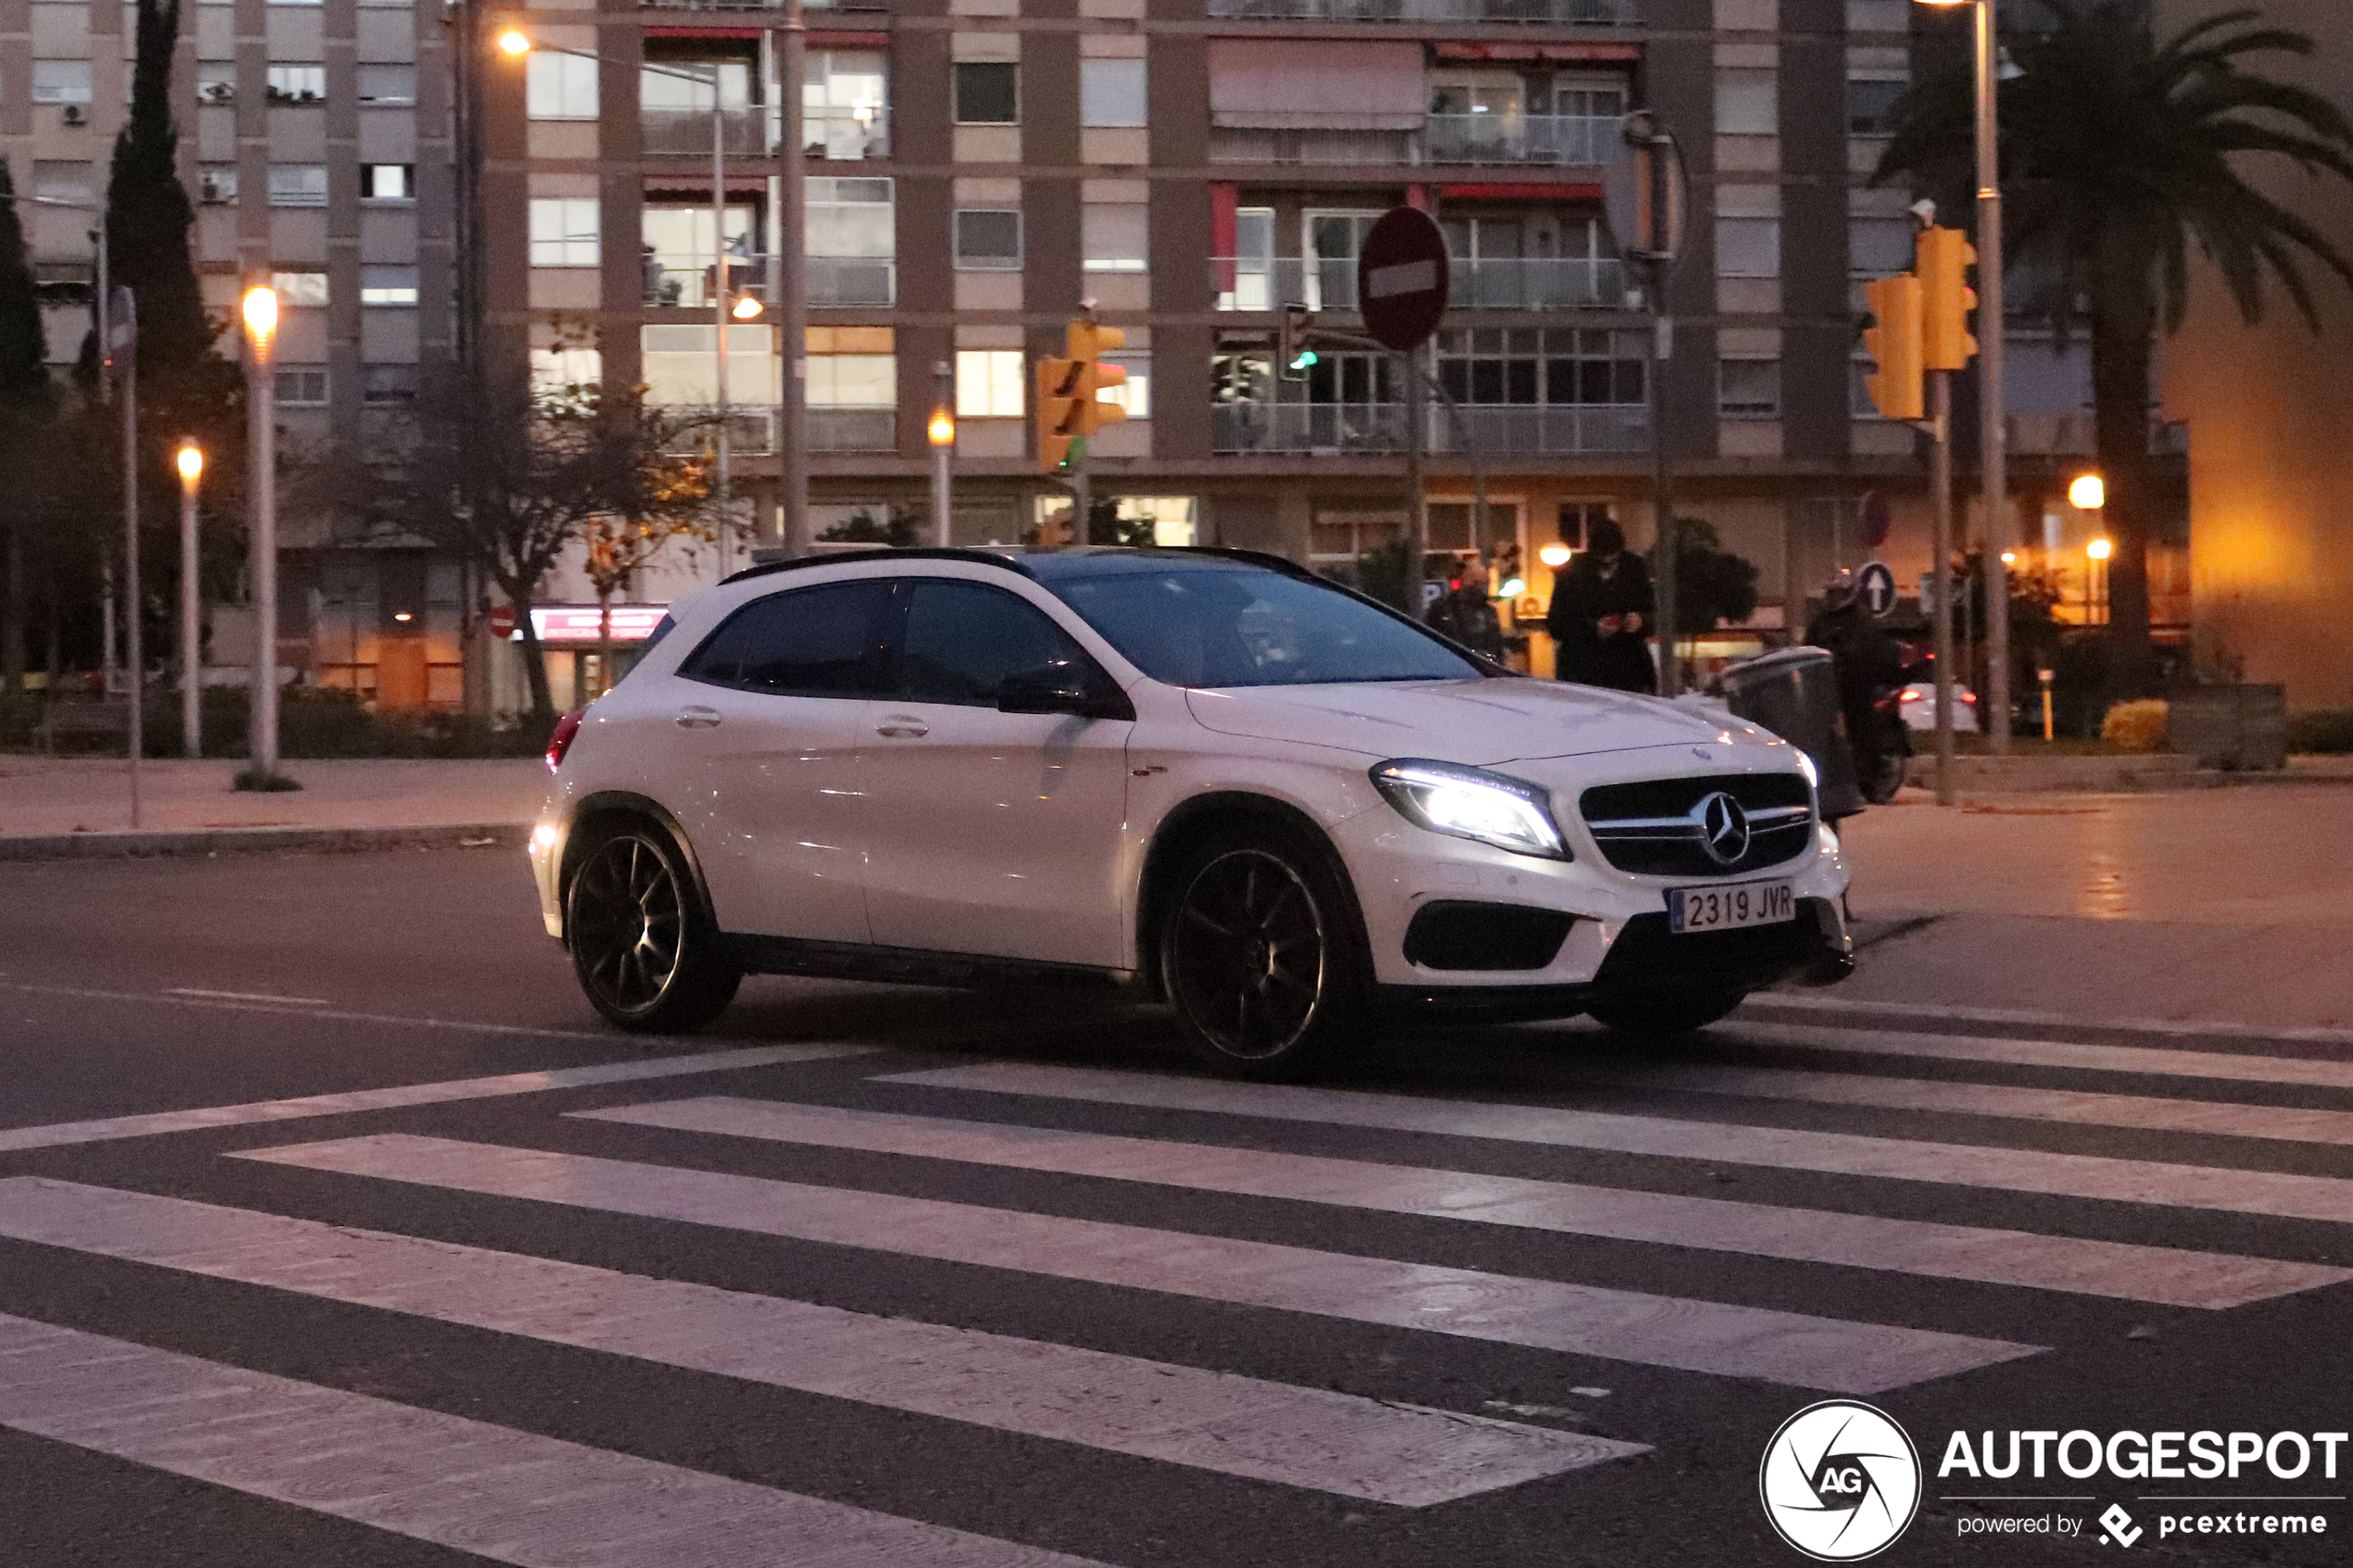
(148, 215)
(24, 395)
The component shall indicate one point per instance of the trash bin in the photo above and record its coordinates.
(1793, 693)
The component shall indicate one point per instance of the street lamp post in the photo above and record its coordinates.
(191, 463)
(1995, 423)
(261, 312)
(942, 432)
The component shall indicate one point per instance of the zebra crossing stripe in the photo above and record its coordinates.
(507, 1495)
(1786, 1347)
(399, 1096)
(2142, 1113)
(2121, 1270)
(2268, 1193)
(2230, 1066)
(1343, 1444)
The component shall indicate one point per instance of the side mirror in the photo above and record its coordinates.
(1062, 688)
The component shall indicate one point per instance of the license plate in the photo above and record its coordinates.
(1728, 908)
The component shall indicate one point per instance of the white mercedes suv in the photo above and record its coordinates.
(1207, 775)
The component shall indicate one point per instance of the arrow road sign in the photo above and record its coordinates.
(1876, 584)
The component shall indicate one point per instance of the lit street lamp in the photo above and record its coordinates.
(1992, 322)
(191, 463)
(260, 313)
(942, 432)
(2088, 493)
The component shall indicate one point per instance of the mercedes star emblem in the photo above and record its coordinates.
(1723, 828)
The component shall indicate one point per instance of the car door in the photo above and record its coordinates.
(772, 710)
(996, 834)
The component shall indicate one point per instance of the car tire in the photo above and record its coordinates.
(1262, 954)
(1883, 777)
(1658, 1015)
(646, 952)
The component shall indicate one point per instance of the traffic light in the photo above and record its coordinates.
(1946, 257)
(1894, 345)
(1068, 409)
(1297, 358)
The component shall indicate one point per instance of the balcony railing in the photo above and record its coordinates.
(763, 5)
(1582, 13)
(1573, 283)
(752, 432)
(1578, 140)
(687, 131)
(853, 429)
(847, 135)
(833, 280)
(1322, 428)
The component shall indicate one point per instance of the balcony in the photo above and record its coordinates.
(1552, 13)
(1353, 429)
(686, 133)
(1547, 140)
(762, 5)
(1572, 283)
(752, 432)
(853, 429)
(847, 136)
(832, 282)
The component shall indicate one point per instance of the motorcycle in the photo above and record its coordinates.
(1883, 759)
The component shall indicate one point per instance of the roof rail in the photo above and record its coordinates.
(883, 552)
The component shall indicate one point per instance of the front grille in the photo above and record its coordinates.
(1659, 827)
(1460, 935)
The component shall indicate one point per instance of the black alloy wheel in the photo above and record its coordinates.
(646, 956)
(1262, 961)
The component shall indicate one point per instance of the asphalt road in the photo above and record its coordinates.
(929, 1277)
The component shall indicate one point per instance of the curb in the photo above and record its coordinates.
(263, 841)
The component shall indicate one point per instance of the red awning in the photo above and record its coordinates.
(848, 40)
(1529, 191)
(1565, 52)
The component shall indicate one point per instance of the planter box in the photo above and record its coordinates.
(2237, 729)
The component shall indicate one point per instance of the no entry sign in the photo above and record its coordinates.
(1402, 278)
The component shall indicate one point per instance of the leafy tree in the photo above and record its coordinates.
(512, 478)
(2118, 152)
(24, 399)
(1712, 584)
(897, 528)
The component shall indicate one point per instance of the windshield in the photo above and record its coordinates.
(1214, 623)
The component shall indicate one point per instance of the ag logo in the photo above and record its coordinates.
(1840, 1481)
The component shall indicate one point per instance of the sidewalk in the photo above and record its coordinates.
(46, 797)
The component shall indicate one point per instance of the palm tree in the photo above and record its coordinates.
(2118, 151)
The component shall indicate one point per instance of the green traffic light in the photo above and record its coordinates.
(1307, 357)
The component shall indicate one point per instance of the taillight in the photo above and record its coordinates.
(567, 728)
(1970, 698)
(1910, 694)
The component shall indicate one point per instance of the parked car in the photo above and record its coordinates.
(1917, 702)
(1281, 807)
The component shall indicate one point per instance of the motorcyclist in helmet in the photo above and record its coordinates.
(1868, 665)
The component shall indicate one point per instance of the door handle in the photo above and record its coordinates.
(900, 727)
(697, 718)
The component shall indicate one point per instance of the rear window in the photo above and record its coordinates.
(813, 642)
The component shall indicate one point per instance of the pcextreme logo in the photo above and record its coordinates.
(1841, 1481)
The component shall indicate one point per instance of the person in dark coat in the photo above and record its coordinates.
(1867, 661)
(1601, 613)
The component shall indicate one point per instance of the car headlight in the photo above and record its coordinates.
(1805, 766)
(1472, 803)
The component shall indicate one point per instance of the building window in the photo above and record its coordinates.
(297, 184)
(1496, 368)
(1748, 102)
(216, 83)
(64, 180)
(302, 388)
(387, 285)
(680, 365)
(1110, 93)
(1880, 247)
(561, 87)
(1748, 247)
(565, 231)
(1871, 104)
(298, 84)
(1115, 236)
(851, 217)
(846, 104)
(216, 184)
(393, 85)
(388, 383)
(1134, 394)
(557, 370)
(988, 240)
(989, 384)
(1748, 389)
(387, 181)
(299, 288)
(61, 81)
(853, 380)
(987, 93)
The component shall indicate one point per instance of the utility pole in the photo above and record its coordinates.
(792, 293)
(121, 351)
(1646, 191)
(260, 311)
(1992, 331)
(721, 291)
(1940, 568)
(191, 464)
(942, 434)
(1670, 662)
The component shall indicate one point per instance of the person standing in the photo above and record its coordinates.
(1600, 618)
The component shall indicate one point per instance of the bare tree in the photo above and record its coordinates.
(512, 477)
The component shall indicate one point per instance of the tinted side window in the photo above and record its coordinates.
(964, 638)
(813, 642)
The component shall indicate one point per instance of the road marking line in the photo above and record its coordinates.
(510, 1496)
(2153, 1060)
(1403, 1455)
(1786, 1347)
(1809, 1002)
(403, 1094)
(85, 993)
(2078, 1106)
(1846, 1154)
(1913, 1246)
(246, 997)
